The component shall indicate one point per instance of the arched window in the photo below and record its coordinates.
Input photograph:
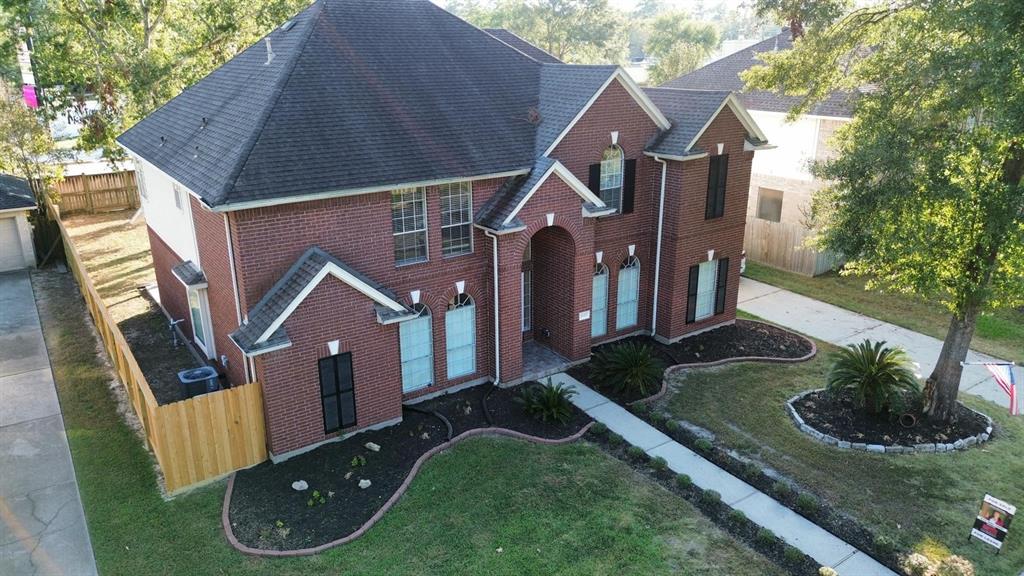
(599, 302)
(417, 347)
(460, 336)
(628, 297)
(611, 177)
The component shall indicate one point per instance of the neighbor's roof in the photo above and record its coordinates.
(513, 40)
(724, 74)
(15, 193)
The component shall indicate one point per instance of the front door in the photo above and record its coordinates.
(337, 392)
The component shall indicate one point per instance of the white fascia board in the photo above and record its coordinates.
(748, 147)
(696, 156)
(567, 177)
(633, 89)
(169, 177)
(341, 274)
(10, 210)
(741, 114)
(501, 232)
(811, 116)
(281, 346)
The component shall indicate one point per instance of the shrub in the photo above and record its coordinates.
(657, 418)
(737, 516)
(918, 564)
(636, 453)
(711, 497)
(684, 481)
(781, 490)
(884, 545)
(628, 368)
(614, 439)
(659, 464)
(599, 428)
(548, 402)
(878, 375)
(826, 571)
(751, 470)
(954, 566)
(640, 409)
(672, 425)
(765, 537)
(793, 555)
(806, 503)
(704, 445)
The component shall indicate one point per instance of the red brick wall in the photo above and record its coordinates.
(688, 236)
(290, 378)
(173, 296)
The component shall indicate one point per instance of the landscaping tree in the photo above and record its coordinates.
(926, 192)
(679, 44)
(796, 14)
(25, 143)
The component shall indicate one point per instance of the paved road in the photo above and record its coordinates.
(42, 525)
(840, 326)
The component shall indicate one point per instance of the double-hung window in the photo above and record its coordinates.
(611, 177)
(409, 224)
(706, 292)
(460, 336)
(417, 347)
(628, 297)
(717, 171)
(599, 302)
(456, 218)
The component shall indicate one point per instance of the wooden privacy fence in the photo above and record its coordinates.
(781, 245)
(97, 192)
(194, 440)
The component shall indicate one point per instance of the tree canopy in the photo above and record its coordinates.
(679, 44)
(927, 187)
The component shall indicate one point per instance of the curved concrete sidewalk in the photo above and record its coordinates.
(760, 508)
(841, 327)
(42, 524)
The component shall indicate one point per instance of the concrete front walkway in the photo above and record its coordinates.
(42, 525)
(841, 327)
(760, 508)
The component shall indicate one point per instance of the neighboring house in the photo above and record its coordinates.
(781, 183)
(339, 212)
(16, 201)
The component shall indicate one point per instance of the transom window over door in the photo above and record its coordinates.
(611, 177)
(409, 224)
(456, 218)
(337, 392)
(628, 297)
(599, 302)
(417, 347)
(460, 336)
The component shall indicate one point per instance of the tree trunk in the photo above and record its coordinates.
(942, 386)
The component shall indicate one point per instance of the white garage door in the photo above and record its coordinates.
(12, 256)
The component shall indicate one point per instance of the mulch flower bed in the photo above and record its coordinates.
(267, 513)
(839, 416)
(744, 339)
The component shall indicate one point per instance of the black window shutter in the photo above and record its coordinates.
(709, 208)
(723, 279)
(691, 295)
(723, 171)
(595, 179)
(628, 186)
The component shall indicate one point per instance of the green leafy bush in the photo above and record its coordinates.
(659, 463)
(599, 428)
(628, 368)
(614, 439)
(793, 555)
(737, 516)
(672, 425)
(636, 453)
(878, 375)
(765, 537)
(711, 497)
(704, 445)
(640, 409)
(684, 481)
(548, 402)
(751, 470)
(884, 545)
(781, 490)
(657, 418)
(806, 503)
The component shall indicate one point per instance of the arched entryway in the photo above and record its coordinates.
(547, 307)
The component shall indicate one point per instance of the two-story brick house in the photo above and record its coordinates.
(380, 202)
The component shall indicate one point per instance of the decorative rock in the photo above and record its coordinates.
(876, 448)
(925, 447)
(373, 447)
(299, 485)
(843, 444)
(830, 440)
(859, 446)
(970, 441)
(958, 445)
(984, 437)
(988, 430)
(364, 484)
(940, 447)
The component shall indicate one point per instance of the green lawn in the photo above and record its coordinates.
(924, 501)
(550, 510)
(1000, 334)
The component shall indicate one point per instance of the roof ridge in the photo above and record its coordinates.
(484, 31)
(288, 68)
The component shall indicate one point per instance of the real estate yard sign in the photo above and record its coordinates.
(993, 521)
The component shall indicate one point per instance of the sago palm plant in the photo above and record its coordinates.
(628, 368)
(878, 375)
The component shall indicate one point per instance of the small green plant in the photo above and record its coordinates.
(781, 490)
(793, 555)
(711, 497)
(765, 537)
(357, 461)
(614, 439)
(599, 428)
(316, 498)
(279, 524)
(806, 504)
(628, 368)
(636, 453)
(878, 375)
(659, 464)
(548, 402)
(751, 470)
(684, 481)
(657, 417)
(737, 516)
(640, 409)
(672, 425)
(884, 545)
(704, 445)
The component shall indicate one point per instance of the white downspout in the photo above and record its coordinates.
(497, 315)
(657, 250)
(234, 289)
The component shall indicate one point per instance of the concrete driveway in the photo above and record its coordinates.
(42, 525)
(841, 327)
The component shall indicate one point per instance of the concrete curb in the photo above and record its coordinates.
(959, 444)
(771, 359)
(226, 521)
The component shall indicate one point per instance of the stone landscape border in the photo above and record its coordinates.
(961, 444)
(772, 359)
(494, 431)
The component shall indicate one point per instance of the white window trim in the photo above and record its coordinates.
(425, 230)
(206, 342)
(628, 264)
(606, 274)
(622, 177)
(712, 292)
(447, 347)
(468, 222)
(526, 320)
(424, 312)
(179, 202)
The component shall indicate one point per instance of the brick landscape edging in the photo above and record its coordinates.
(773, 359)
(226, 521)
(961, 444)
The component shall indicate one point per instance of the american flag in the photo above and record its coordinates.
(1003, 373)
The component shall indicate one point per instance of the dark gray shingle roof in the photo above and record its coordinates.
(188, 274)
(515, 41)
(724, 74)
(15, 193)
(498, 207)
(689, 111)
(289, 287)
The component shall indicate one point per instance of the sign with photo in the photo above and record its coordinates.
(993, 521)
